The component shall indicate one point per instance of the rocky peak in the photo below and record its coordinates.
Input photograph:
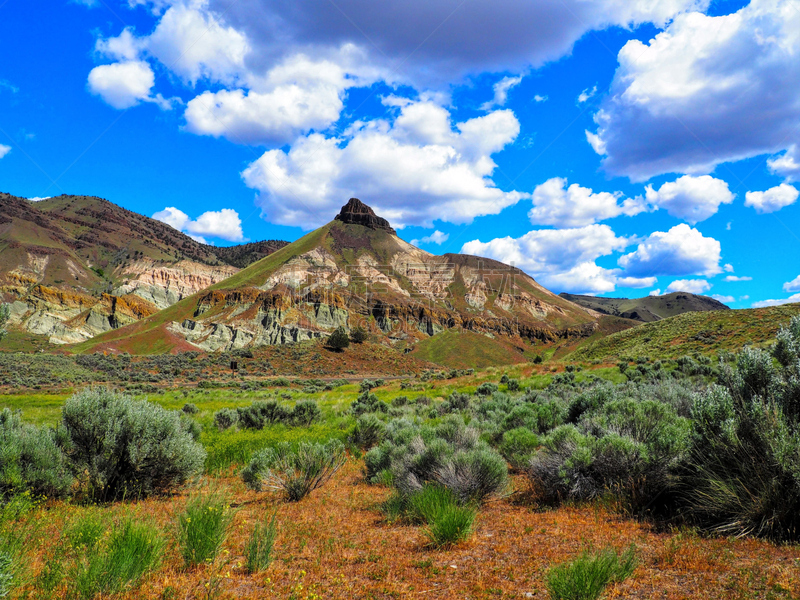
(358, 213)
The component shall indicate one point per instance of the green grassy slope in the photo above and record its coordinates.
(704, 332)
(465, 349)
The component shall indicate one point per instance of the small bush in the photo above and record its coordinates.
(262, 413)
(451, 525)
(358, 335)
(258, 552)
(31, 459)
(518, 447)
(190, 409)
(226, 418)
(368, 432)
(368, 403)
(298, 471)
(338, 340)
(127, 447)
(513, 385)
(587, 576)
(486, 389)
(305, 413)
(399, 401)
(202, 528)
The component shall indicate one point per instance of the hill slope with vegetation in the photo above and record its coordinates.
(649, 308)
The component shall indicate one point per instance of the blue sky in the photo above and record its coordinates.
(612, 147)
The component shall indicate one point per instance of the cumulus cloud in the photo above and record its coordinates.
(707, 90)
(692, 199)
(790, 300)
(734, 278)
(773, 199)
(787, 164)
(540, 98)
(224, 223)
(122, 84)
(501, 89)
(412, 170)
(437, 237)
(793, 285)
(4, 150)
(562, 259)
(655, 292)
(292, 99)
(723, 299)
(556, 204)
(693, 286)
(126, 46)
(682, 250)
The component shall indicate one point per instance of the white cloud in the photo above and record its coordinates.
(586, 94)
(292, 99)
(734, 278)
(125, 46)
(692, 199)
(413, 170)
(793, 285)
(706, 90)
(556, 204)
(728, 268)
(437, 237)
(790, 300)
(693, 286)
(4, 150)
(682, 250)
(773, 199)
(787, 164)
(195, 43)
(742, 298)
(501, 89)
(655, 292)
(723, 299)
(125, 84)
(38, 198)
(539, 98)
(562, 259)
(224, 223)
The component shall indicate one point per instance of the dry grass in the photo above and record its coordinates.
(336, 544)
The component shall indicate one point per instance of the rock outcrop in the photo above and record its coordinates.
(356, 212)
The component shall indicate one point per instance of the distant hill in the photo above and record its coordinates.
(703, 332)
(75, 266)
(649, 308)
(356, 270)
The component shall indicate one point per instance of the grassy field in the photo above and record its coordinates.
(336, 543)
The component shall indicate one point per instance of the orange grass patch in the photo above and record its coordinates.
(336, 544)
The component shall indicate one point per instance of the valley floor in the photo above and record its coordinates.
(337, 544)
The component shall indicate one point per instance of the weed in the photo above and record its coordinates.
(202, 528)
(258, 552)
(587, 576)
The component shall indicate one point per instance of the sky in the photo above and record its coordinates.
(610, 147)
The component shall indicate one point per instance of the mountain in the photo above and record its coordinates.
(356, 271)
(649, 308)
(76, 266)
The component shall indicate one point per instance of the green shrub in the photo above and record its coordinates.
(338, 340)
(513, 385)
(305, 413)
(399, 401)
(31, 459)
(202, 528)
(298, 471)
(587, 576)
(367, 403)
(6, 573)
(486, 389)
(518, 447)
(190, 409)
(258, 552)
(131, 551)
(367, 433)
(262, 413)
(226, 418)
(452, 525)
(358, 335)
(127, 447)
